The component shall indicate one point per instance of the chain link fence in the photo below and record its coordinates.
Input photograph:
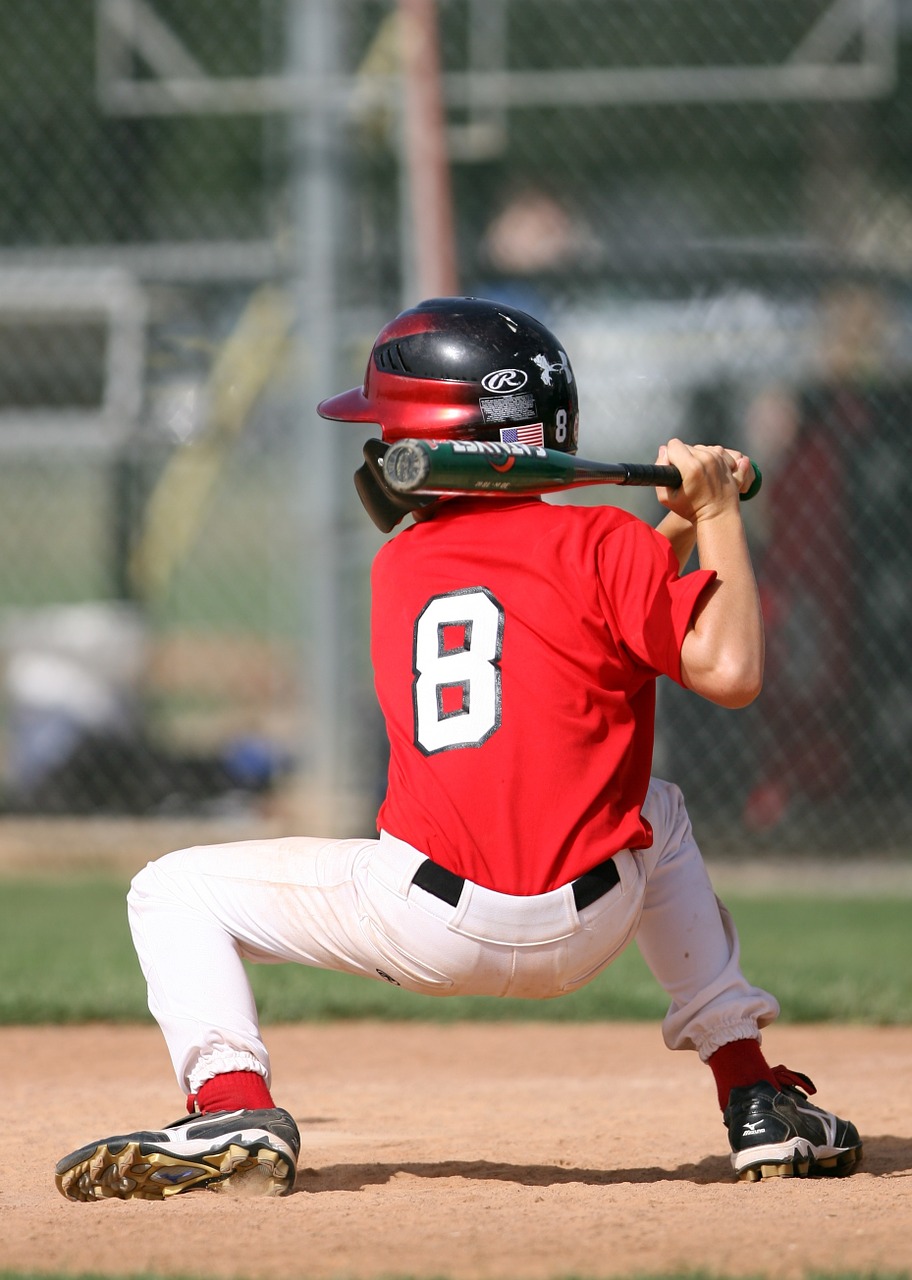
(209, 209)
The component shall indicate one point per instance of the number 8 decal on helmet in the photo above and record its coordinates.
(457, 690)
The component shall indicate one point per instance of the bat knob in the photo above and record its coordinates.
(754, 485)
(406, 466)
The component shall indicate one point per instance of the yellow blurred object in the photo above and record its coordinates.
(242, 370)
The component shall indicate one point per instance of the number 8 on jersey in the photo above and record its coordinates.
(456, 661)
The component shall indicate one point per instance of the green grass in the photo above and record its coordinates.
(66, 957)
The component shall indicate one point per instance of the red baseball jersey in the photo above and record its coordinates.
(516, 646)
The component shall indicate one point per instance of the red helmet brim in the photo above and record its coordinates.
(348, 406)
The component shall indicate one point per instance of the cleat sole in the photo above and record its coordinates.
(129, 1173)
(839, 1165)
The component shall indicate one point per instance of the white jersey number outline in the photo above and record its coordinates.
(471, 668)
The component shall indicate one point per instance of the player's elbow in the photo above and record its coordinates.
(738, 682)
(728, 681)
(741, 696)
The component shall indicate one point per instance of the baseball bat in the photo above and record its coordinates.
(479, 466)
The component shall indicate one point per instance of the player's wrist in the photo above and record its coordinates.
(720, 506)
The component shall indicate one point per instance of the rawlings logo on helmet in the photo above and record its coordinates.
(504, 381)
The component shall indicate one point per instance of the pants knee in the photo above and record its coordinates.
(156, 880)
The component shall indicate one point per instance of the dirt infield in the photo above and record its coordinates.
(476, 1152)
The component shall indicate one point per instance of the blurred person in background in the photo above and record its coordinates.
(811, 562)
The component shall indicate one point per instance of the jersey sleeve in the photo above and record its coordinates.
(648, 603)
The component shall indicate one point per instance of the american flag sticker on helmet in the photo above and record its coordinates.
(533, 433)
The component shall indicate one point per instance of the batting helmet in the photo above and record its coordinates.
(466, 369)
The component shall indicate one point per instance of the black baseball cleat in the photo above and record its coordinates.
(777, 1133)
(245, 1153)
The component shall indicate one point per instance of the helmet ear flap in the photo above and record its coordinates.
(384, 506)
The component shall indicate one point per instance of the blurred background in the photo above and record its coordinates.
(208, 209)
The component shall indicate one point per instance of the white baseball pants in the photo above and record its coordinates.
(350, 905)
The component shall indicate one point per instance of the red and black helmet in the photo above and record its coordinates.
(466, 369)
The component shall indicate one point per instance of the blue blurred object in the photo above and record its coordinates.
(255, 763)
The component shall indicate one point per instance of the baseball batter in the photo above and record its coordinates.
(522, 843)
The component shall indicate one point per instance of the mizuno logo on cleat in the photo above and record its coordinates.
(754, 1126)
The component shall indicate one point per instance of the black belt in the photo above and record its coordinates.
(447, 886)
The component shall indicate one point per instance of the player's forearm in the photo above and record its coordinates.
(722, 656)
(681, 534)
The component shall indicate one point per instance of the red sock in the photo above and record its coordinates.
(738, 1064)
(233, 1091)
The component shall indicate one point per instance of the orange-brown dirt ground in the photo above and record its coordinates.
(470, 1151)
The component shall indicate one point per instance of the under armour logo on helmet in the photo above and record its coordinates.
(547, 368)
